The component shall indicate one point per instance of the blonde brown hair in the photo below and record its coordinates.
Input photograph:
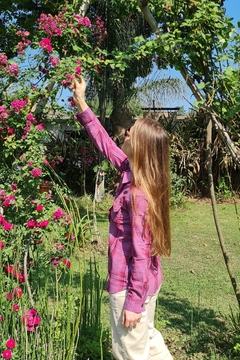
(150, 168)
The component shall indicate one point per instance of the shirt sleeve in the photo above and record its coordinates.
(141, 241)
(102, 140)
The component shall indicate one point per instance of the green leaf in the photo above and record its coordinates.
(201, 86)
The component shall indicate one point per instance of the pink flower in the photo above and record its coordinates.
(82, 21)
(22, 45)
(14, 187)
(1, 318)
(13, 69)
(7, 226)
(46, 44)
(18, 105)
(9, 200)
(52, 26)
(23, 33)
(43, 223)
(30, 319)
(17, 292)
(15, 307)
(3, 60)
(54, 261)
(45, 161)
(67, 263)
(2, 194)
(25, 42)
(58, 214)
(37, 242)
(31, 224)
(7, 354)
(48, 196)
(9, 296)
(10, 269)
(40, 127)
(36, 172)
(31, 118)
(54, 60)
(68, 81)
(10, 131)
(2, 244)
(4, 113)
(11, 343)
(59, 246)
(34, 224)
(20, 276)
(78, 70)
(39, 208)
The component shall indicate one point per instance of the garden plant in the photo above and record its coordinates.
(50, 291)
(48, 306)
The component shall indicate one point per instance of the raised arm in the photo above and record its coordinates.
(95, 130)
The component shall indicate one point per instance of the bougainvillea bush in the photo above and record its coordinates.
(42, 272)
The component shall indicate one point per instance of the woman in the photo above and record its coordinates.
(139, 231)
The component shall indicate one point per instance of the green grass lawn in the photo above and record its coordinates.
(196, 298)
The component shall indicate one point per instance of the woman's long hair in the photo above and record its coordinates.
(151, 172)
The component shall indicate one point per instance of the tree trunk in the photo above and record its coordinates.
(215, 213)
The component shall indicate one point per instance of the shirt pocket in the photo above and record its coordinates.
(117, 211)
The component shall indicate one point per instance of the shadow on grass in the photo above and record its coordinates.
(191, 330)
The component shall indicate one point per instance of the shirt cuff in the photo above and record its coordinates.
(134, 305)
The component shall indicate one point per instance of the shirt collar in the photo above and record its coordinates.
(127, 177)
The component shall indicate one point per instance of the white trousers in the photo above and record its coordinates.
(142, 342)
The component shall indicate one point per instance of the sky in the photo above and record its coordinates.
(233, 11)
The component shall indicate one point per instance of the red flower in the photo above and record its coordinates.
(54, 261)
(31, 224)
(15, 307)
(10, 269)
(2, 245)
(30, 319)
(14, 187)
(7, 226)
(46, 44)
(43, 223)
(8, 200)
(20, 276)
(67, 263)
(7, 354)
(11, 343)
(39, 207)
(9, 296)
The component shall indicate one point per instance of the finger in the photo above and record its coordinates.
(78, 77)
(123, 319)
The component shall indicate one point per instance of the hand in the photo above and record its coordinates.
(79, 88)
(130, 319)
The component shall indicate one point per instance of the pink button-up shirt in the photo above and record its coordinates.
(130, 264)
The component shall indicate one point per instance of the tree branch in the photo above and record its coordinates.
(193, 87)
